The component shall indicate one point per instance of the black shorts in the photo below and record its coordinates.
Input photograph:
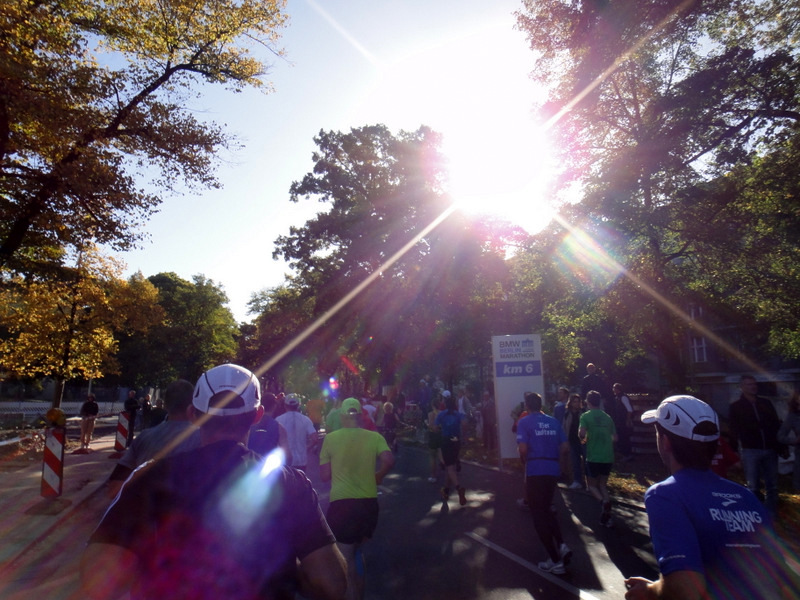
(450, 451)
(353, 520)
(594, 469)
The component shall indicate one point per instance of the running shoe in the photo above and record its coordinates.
(432, 480)
(565, 553)
(445, 494)
(462, 496)
(549, 566)
(575, 486)
(605, 515)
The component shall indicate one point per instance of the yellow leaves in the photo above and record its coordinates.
(215, 39)
(65, 328)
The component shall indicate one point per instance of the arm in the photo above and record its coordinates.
(325, 472)
(323, 574)
(582, 434)
(386, 459)
(107, 571)
(680, 585)
(522, 448)
(626, 402)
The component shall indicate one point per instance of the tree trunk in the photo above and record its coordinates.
(58, 392)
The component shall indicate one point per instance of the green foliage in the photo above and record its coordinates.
(673, 108)
(433, 305)
(197, 332)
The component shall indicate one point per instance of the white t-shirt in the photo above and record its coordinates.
(298, 428)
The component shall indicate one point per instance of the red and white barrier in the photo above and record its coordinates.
(53, 462)
(123, 426)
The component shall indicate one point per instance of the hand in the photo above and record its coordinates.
(637, 588)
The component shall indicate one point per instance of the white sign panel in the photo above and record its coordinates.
(517, 369)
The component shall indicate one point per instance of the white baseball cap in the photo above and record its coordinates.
(227, 390)
(681, 414)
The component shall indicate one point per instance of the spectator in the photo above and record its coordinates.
(158, 414)
(754, 423)
(215, 522)
(711, 537)
(560, 406)
(88, 414)
(577, 450)
(390, 426)
(789, 434)
(131, 407)
(622, 414)
(146, 408)
(593, 381)
(489, 417)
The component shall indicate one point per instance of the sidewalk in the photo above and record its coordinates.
(28, 521)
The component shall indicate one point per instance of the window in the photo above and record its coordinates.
(699, 350)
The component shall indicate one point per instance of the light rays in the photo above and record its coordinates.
(371, 58)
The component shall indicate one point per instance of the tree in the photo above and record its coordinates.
(66, 328)
(197, 332)
(656, 104)
(383, 193)
(94, 98)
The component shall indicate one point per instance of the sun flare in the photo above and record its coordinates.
(474, 89)
(503, 172)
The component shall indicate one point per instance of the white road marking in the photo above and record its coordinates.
(531, 567)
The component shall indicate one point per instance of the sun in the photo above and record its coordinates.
(474, 89)
(502, 170)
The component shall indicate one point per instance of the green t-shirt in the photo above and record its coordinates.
(333, 420)
(600, 433)
(351, 453)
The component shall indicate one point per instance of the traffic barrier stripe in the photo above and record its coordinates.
(123, 424)
(53, 462)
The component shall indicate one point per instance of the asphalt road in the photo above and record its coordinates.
(488, 549)
(423, 549)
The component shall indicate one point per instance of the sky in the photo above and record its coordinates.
(457, 66)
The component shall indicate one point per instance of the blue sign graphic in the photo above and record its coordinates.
(526, 368)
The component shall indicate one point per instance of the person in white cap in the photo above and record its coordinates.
(218, 521)
(712, 538)
(299, 429)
